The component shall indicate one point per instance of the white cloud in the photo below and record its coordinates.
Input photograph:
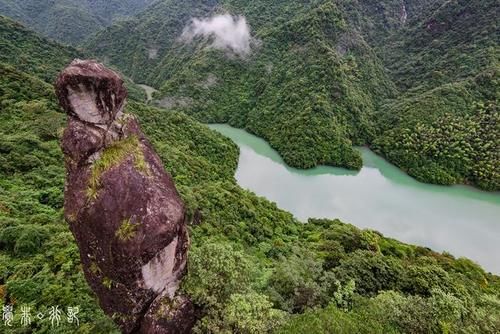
(229, 33)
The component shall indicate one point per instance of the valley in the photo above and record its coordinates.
(335, 164)
(415, 80)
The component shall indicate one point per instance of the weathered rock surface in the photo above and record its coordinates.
(122, 206)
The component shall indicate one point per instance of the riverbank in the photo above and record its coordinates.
(149, 91)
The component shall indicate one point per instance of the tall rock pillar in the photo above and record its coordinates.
(122, 206)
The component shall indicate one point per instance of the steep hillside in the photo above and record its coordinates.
(137, 45)
(146, 39)
(323, 76)
(310, 82)
(70, 21)
(31, 53)
(455, 41)
(444, 126)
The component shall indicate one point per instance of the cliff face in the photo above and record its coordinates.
(122, 206)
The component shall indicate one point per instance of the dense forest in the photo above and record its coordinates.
(253, 268)
(446, 68)
(325, 75)
(70, 21)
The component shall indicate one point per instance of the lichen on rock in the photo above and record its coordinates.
(122, 206)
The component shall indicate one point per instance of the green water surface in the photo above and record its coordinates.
(460, 219)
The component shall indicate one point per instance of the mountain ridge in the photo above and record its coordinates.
(70, 21)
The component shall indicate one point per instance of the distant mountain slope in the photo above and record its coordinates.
(298, 91)
(28, 52)
(146, 38)
(324, 75)
(333, 101)
(456, 41)
(70, 21)
(37, 56)
(445, 126)
(137, 45)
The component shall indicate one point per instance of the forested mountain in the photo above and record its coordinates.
(443, 127)
(70, 21)
(31, 53)
(253, 268)
(416, 80)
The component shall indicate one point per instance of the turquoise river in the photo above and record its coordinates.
(460, 220)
